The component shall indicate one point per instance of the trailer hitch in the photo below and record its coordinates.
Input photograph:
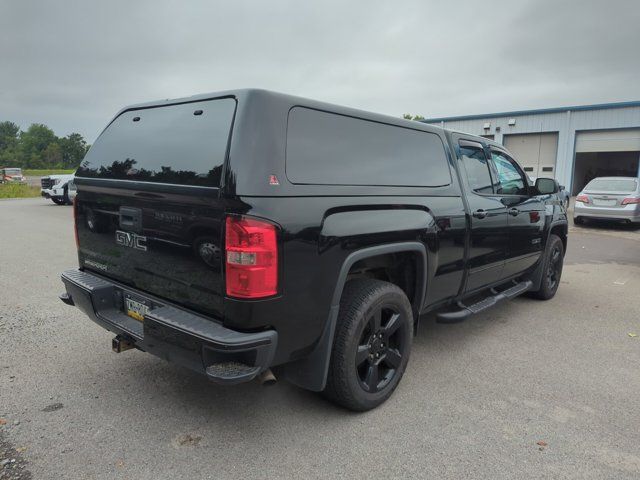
(120, 344)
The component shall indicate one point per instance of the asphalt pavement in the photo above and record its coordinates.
(527, 390)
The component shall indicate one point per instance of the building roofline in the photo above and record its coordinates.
(516, 113)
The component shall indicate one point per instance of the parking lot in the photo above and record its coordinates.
(529, 389)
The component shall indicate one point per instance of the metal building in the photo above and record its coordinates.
(571, 144)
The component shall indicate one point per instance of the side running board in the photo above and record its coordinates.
(465, 311)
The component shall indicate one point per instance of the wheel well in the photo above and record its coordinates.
(397, 268)
(561, 231)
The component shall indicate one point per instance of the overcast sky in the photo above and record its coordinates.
(73, 64)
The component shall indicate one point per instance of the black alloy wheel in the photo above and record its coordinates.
(371, 345)
(380, 349)
(552, 269)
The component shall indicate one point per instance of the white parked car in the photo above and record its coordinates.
(56, 187)
(609, 198)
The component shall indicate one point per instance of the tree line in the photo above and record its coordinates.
(417, 118)
(39, 147)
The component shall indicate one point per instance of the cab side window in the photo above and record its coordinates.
(476, 165)
(509, 177)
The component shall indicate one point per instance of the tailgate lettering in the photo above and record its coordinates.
(131, 240)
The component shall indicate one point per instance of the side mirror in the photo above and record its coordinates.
(547, 186)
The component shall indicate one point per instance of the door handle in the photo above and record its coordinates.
(480, 213)
(514, 212)
(130, 219)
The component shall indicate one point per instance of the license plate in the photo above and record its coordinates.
(136, 309)
(604, 203)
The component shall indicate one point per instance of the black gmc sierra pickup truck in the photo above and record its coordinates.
(248, 233)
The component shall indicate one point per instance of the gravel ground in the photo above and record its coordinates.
(528, 390)
(12, 463)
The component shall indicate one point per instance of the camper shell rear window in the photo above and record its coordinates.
(183, 144)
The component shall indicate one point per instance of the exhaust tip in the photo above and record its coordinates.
(67, 299)
(267, 378)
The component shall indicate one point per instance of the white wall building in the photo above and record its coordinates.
(572, 144)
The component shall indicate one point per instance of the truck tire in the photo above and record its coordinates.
(64, 199)
(371, 344)
(553, 261)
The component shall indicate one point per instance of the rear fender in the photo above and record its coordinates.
(311, 372)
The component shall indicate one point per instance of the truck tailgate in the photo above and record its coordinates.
(148, 209)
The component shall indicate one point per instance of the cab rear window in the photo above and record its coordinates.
(183, 144)
(329, 149)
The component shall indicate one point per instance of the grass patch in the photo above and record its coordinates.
(44, 173)
(18, 190)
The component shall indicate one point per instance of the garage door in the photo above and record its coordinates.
(608, 141)
(536, 152)
(605, 153)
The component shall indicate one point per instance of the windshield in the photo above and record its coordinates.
(12, 171)
(612, 185)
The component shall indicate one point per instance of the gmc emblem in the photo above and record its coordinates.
(131, 240)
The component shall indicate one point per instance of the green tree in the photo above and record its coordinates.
(408, 116)
(8, 144)
(52, 156)
(33, 143)
(73, 147)
(39, 147)
(8, 135)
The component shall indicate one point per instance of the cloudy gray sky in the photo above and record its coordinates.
(73, 64)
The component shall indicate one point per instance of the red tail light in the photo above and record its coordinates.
(75, 221)
(630, 200)
(251, 258)
(582, 198)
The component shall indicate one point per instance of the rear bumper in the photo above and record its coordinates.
(628, 212)
(176, 335)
